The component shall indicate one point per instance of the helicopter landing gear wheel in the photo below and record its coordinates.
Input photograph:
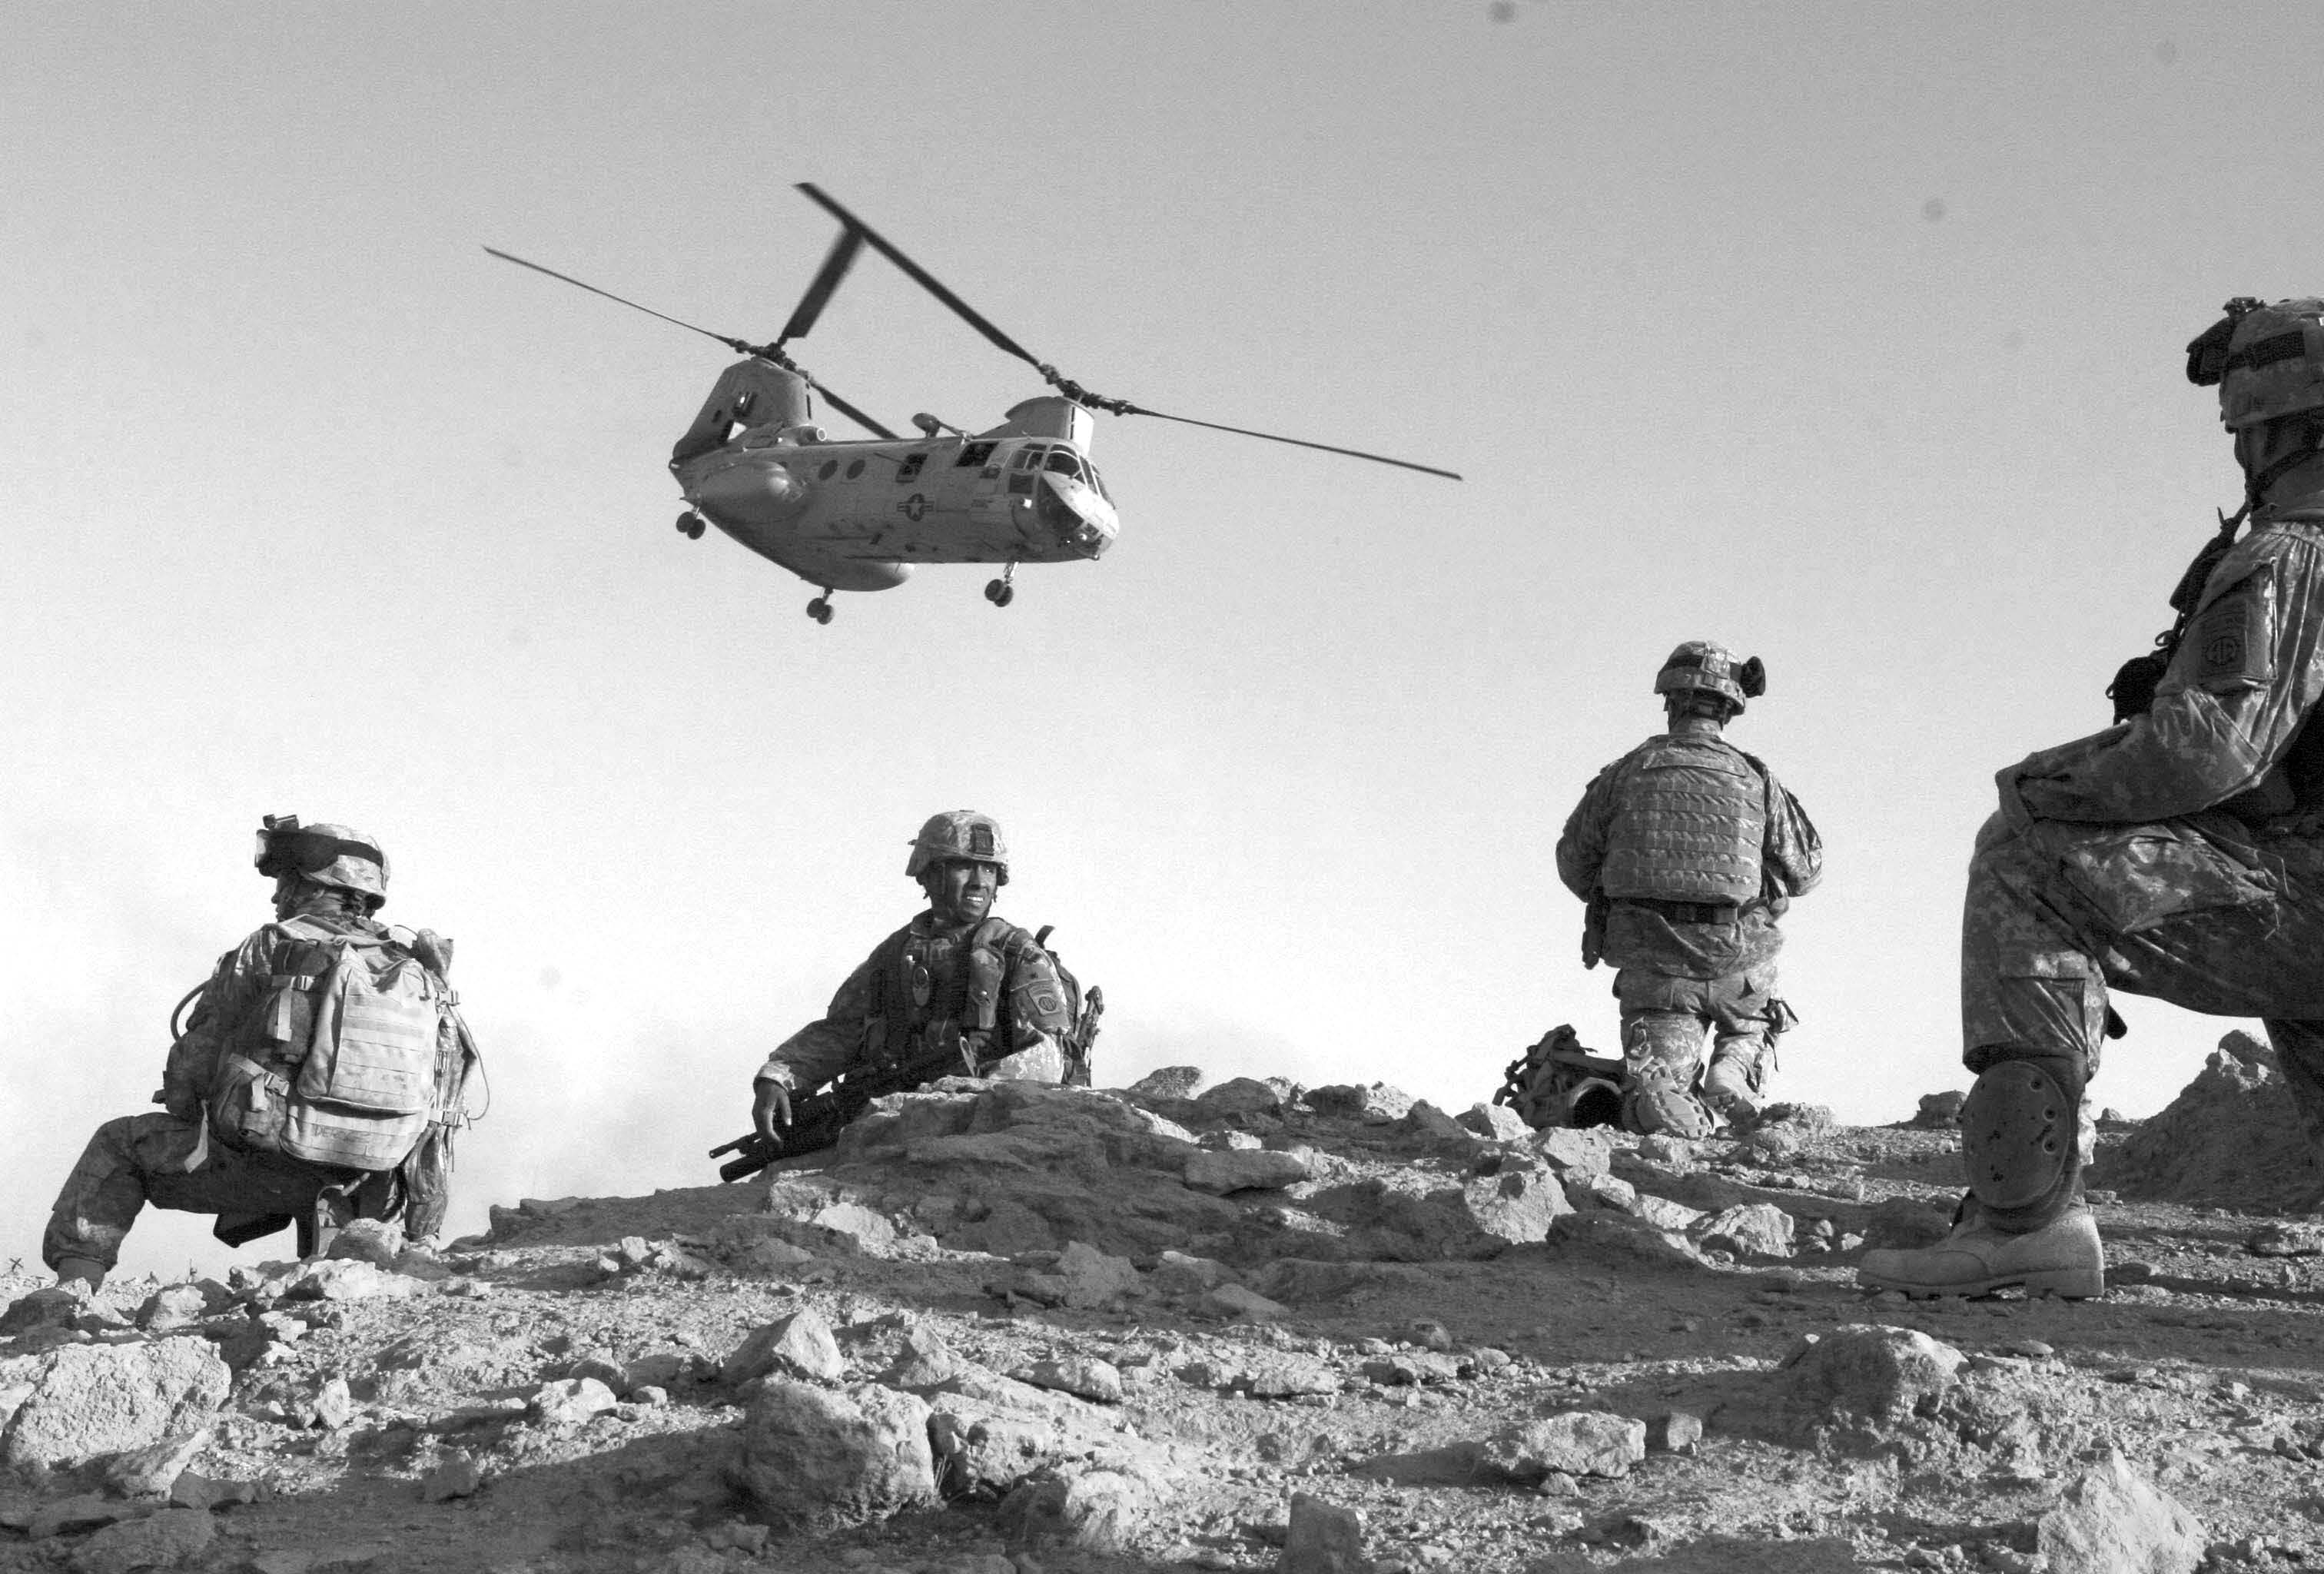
(1001, 592)
(819, 608)
(691, 525)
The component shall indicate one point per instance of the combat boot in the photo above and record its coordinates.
(1729, 1087)
(2063, 1258)
(1654, 1107)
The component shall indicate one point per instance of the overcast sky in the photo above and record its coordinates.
(1851, 336)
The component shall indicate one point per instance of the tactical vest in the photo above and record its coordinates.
(916, 995)
(1691, 821)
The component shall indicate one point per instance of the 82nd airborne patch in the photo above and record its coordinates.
(2230, 639)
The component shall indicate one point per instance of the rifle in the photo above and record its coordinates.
(1077, 1054)
(818, 1119)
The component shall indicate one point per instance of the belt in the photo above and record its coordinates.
(1686, 912)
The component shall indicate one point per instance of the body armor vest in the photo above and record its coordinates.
(1692, 819)
(943, 983)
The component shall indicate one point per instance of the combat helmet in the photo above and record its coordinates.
(1706, 664)
(960, 834)
(2267, 361)
(329, 855)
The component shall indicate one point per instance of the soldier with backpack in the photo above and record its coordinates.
(956, 991)
(318, 1079)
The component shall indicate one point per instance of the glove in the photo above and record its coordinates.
(770, 1106)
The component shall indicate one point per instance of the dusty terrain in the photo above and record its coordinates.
(1004, 1329)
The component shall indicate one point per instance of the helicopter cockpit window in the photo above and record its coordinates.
(1098, 482)
(1063, 462)
(1029, 456)
(973, 454)
(910, 470)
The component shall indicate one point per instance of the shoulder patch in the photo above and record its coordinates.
(2231, 639)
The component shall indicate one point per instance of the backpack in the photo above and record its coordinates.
(347, 1058)
(1084, 1011)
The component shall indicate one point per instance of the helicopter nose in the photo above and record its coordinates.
(754, 491)
(1083, 521)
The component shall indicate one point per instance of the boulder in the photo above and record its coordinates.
(1418, 1215)
(1938, 1111)
(1571, 1151)
(1674, 1431)
(1376, 1105)
(1903, 1223)
(153, 1470)
(1323, 1538)
(1082, 1376)
(1238, 1098)
(1098, 1509)
(2298, 1238)
(179, 1305)
(1178, 1274)
(376, 1241)
(570, 1402)
(344, 1279)
(1169, 1083)
(171, 1539)
(2113, 1520)
(1494, 1123)
(67, 1405)
(1082, 1276)
(2231, 1139)
(1867, 1372)
(987, 1433)
(1284, 1374)
(800, 1345)
(1753, 1230)
(1577, 1442)
(816, 1458)
(1244, 1170)
(1426, 1121)
(1242, 1305)
(455, 1475)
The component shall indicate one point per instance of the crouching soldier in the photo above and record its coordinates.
(318, 1079)
(954, 992)
(1687, 850)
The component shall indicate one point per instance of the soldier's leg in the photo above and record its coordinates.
(1663, 1021)
(108, 1188)
(1746, 1018)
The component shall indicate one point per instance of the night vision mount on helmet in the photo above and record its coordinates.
(328, 855)
(855, 515)
(1705, 664)
(961, 834)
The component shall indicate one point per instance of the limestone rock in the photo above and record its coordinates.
(2231, 1139)
(1242, 1096)
(153, 1470)
(1903, 1223)
(1869, 1372)
(1674, 1431)
(69, 1404)
(1751, 1230)
(1169, 1083)
(1578, 1443)
(1082, 1376)
(178, 1305)
(571, 1402)
(344, 1279)
(1938, 1111)
(1178, 1274)
(1282, 1374)
(1376, 1105)
(167, 1540)
(2294, 1239)
(1426, 1121)
(455, 1475)
(1098, 1509)
(376, 1241)
(1494, 1123)
(1243, 1304)
(1418, 1215)
(81, 1512)
(1598, 1189)
(1322, 1539)
(2114, 1521)
(800, 1345)
(1571, 1152)
(821, 1458)
(58, 1306)
(1083, 1276)
(1220, 1173)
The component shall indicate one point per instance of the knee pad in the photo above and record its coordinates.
(2020, 1141)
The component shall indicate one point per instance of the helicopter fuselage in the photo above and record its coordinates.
(858, 515)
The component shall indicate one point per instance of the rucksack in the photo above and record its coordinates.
(1084, 1011)
(347, 1058)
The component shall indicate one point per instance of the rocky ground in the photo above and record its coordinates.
(1006, 1328)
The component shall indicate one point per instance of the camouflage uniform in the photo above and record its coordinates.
(880, 1016)
(1686, 967)
(2178, 855)
(170, 1161)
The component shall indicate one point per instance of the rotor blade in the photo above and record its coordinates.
(1297, 443)
(849, 410)
(835, 264)
(742, 345)
(919, 275)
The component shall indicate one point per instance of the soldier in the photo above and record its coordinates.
(2178, 854)
(955, 977)
(238, 1060)
(1687, 850)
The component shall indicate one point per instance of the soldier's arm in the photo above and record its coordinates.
(228, 998)
(1037, 1000)
(827, 1046)
(2249, 670)
(1792, 852)
(1581, 846)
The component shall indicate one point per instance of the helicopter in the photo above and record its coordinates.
(860, 514)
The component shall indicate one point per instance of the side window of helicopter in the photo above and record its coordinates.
(973, 454)
(1098, 482)
(910, 470)
(828, 466)
(1029, 456)
(855, 470)
(1063, 462)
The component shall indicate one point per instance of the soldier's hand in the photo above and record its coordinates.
(770, 1106)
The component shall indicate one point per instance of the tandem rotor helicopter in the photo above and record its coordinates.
(858, 515)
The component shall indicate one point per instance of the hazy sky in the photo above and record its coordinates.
(1849, 334)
